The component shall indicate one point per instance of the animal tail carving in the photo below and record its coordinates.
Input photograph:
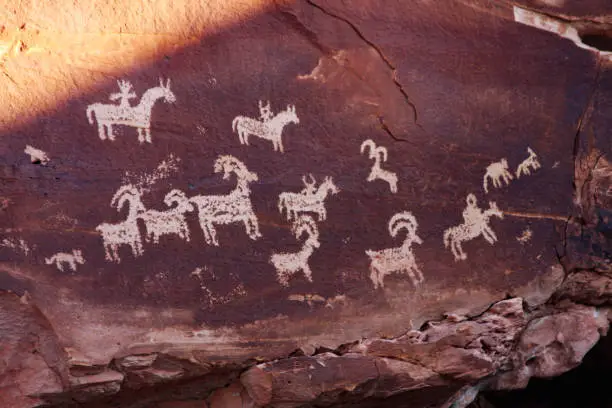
(281, 203)
(90, 115)
(485, 182)
(235, 123)
(447, 237)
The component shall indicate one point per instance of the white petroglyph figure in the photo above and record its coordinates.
(400, 259)
(269, 127)
(168, 222)
(497, 172)
(379, 155)
(475, 223)
(288, 264)
(61, 258)
(138, 116)
(17, 245)
(310, 199)
(36, 155)
(125, 232)
(530, 161)
(231, 208)
(143, 181)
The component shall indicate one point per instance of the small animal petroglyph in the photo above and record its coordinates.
(475, 223)
(497, 172)
(268, 127)
(400, 259)
(530, 161)
(61, 258)
(288, 264)
(379, 155)
(36, 155)
(231, 208)
(139, 116)
(172, 221)
(125, 232)
(310, 199)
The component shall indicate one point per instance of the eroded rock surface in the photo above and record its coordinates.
(301, 203)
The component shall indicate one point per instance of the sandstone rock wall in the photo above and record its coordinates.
(300, 203)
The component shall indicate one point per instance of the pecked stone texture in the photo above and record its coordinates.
(184, 322)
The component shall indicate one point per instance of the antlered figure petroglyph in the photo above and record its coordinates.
(400, 259)
(288, 264)
(497, 172)
(61, 258)
(138, 116)
(530, 161)
(168, 222)
(475, 223)
(379, 155)
(125, 232)
(310, 199)
(269, 127)
(231, 208)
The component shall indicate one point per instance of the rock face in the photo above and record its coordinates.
(301, 203)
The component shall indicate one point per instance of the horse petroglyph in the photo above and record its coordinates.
(530, 161)
(400, 259)
(475, 223)
(310, 199)
(267, 127)
(168, 222)
(36, 155)
(71, 259)
(379, 155)
(288, 264)
(138, 116)
(125, 232)
(231, 208)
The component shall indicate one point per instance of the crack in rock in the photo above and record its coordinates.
(382, 56)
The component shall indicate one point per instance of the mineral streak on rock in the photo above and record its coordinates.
(195, 254)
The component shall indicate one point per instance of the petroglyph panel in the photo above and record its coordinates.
(268, 189)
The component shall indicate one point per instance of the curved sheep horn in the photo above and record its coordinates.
(368, 143)
(382, 152)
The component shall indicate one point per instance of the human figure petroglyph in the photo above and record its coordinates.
(475, 223)
(288, 264)
(124, 95)
(379, 154)
(139, 116)
(497, 172)
(169, 222)
(399, 259)
(265, 112)
(530, 161)
(71, 259)
(125, 232)
(268, 127)
(36, 155)
(310, 199)
(231, 208)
